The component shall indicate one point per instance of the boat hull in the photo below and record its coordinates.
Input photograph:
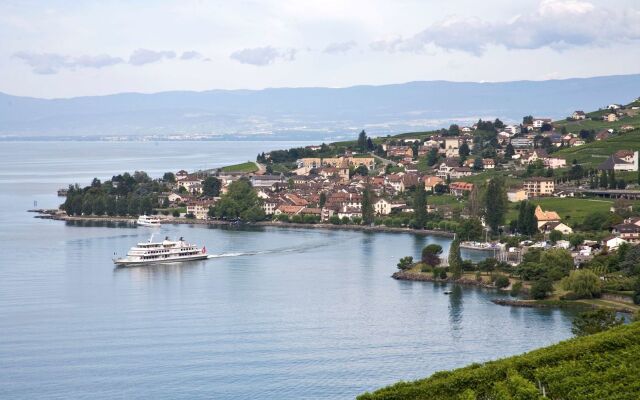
(130, 263)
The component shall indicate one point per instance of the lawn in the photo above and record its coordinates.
(594, 153)
(248, 166)
(571, 210)
(587, 124)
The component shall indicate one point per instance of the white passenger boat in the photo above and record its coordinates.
(488, 246)
(167, 251)
(146, 220)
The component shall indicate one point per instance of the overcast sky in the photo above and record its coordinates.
(72, 48)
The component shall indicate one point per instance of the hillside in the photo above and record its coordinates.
(592, 154)
(601, 366)
(308, 113)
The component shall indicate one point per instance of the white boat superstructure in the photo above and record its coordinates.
(167, 251)
(146, 220)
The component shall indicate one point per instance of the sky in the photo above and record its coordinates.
(54, 49)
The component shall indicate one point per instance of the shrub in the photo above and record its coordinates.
(425, 268)
(175, 213)
(405, 263)
(516, 288)
(335, 220)
(541, 289)
(501, 282)
(590, 322)
(583, 283)
(443, 273)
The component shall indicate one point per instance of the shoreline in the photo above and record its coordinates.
(422, 277)
(50, 214)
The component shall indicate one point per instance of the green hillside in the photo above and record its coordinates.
(600, 366)
(592, 154)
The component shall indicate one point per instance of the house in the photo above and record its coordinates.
(614, 106)
(396, 181)
(399, 151)
(574, 142)
(535, 155)
(182, 174)
(451, 146)
(460, 172)
(488, 163)
(548, 227)
(368, 162)
(446, 167)
(613, 242)
(627, 231)
(269, 205)
(430, 182)
(349, 212)
(554, 162)
(621, 160)
(516, 195)
(199, 208)
(266, 180)
(466, 129)
(191, 184)
(538, 186)
(538, 122)
(545, 217)
(522, 143)
(603, 134)
(382, 206)
(288, 210)
(578, 115)
(513, 129)
(610, 117)
(459, 188)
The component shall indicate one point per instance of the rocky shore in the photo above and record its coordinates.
(419, 277)
(52, 214)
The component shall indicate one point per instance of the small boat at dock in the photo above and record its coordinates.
(149, 221)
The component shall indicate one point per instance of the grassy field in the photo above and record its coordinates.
(248, 166)
(601, 366)
(571, 210)
(594, 153)
(577, 126)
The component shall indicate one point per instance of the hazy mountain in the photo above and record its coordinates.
(305, 112)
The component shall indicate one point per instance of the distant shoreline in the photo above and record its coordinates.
(361, 228)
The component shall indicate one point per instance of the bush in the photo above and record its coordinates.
(190, 216)
(425, 268)
(583, 283)
(335, 220)
(516, 288)
(175, 213)
(345, 220)
(405, 263)
(296, 218)
(541, 289)
(590, 322)
(443, 273)
(501, 282)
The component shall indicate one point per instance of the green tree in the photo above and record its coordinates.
(211, 186)
(431, 254)
(362, 170)
(87, 205)
(367, 206)
(134, 205)
(111, 206)
(541, 288)
(470, 229)
(590, 322)
(583, 283)
(455, 259)
(146, 205)
(464, 151)
(558, 261)
(240, 201)
(555, 235)
(495, 204)
(405, 263)
(362, 141)
(432, 157)
(100, 205)
(169, 177)
(509, 151)
(604, 182)
(420, 206)
(322, 200)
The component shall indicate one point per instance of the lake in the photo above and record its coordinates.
(276, 314)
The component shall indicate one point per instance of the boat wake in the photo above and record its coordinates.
(298, 249)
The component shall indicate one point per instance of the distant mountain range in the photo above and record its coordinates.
(306, 113)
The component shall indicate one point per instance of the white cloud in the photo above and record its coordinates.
(340, 47)
(556, 24)
(145, 56)
(51, 63)
(261, 56)
(191, 55)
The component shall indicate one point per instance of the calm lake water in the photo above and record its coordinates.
(278, 314)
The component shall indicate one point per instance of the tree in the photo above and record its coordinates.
(636, 290)
(584, 283)
(367, 206)
(528, 120)
(432, 157)
(240, 201)
(420, 206)
(211, 186)
(454, 130)
(555, 235)
(509, 151)
(370, 145)
(604, 182)
(558, 261)
(100, 205)
(431, 254)
(541, 288)
(464, 151)
(527, 221)
(590, 322)
(362, 170)
(169, 177)
(111, 206)
(455, 259)
(362, 141)
(495, 204)
(478, 164)
(323, 199)
(405, 263)
(470, 229)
